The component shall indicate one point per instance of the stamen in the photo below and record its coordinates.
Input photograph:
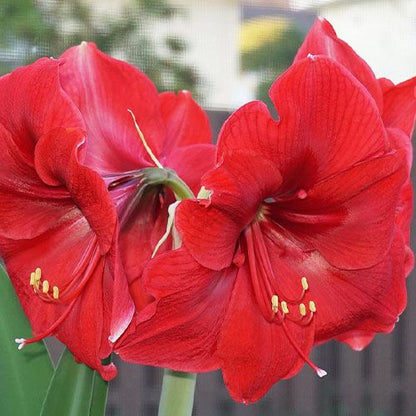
(275, 303)
(45, 286)
(146, 146)
(55, 292)
(302, 309)
(312, 306)
(38, 274)
(32, 279)
(304, 282)
(285, 309)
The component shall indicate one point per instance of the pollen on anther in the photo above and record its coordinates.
(285, 309)
(38, 274)
(304, 282)
(275, 303)
(302, 309)
(312, 306)
(32, 279)
(45, 286)
(55, 292)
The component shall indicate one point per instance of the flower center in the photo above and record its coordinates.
(274, 304)
(65, 294)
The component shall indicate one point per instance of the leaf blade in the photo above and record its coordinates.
(25, 374)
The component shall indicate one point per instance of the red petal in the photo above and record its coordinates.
(191, 163)
(328, 120)
(183, 332)
(103, 89)
(367, 300)
(357, 340)
(186, 122)
(208, 233)
(122, 307)
(322, 40)
(28, 207)
(400, 106)
(28, 112)
(331, 218)
(253, 353)
(57, 157)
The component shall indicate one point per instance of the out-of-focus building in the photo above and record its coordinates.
(382, 32)
(210, 31)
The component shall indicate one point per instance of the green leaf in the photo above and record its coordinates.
(71, 390)
(25, 374)
(99, 396)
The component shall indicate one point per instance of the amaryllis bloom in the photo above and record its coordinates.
(293, 241)
(58, 225)
(397, 107)
(76, 191)
(118, 103)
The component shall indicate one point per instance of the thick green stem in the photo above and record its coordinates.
(177, 398)
(169, 178)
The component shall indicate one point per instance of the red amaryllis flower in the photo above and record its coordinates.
(397, 106)
(58, 225)
(75, 191)
(108, 93)
(296, 242)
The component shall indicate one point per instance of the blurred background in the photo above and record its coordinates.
(228, 52)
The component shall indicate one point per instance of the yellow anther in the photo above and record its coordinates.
(304, 283)
(302, 309)
(38, 274)
(285, 309)
(275, 303)
(32, 279)
(45, 287)
(312, 306)
(55, 294)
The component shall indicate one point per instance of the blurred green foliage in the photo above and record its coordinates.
(272, 57)
(30, 29)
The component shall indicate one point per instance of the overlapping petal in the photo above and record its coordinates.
(104, 89)
(186, 123)
(327, 122)
(330, 217)
(399, 108)
(189, 315)
(210, 228)
(322, 40)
